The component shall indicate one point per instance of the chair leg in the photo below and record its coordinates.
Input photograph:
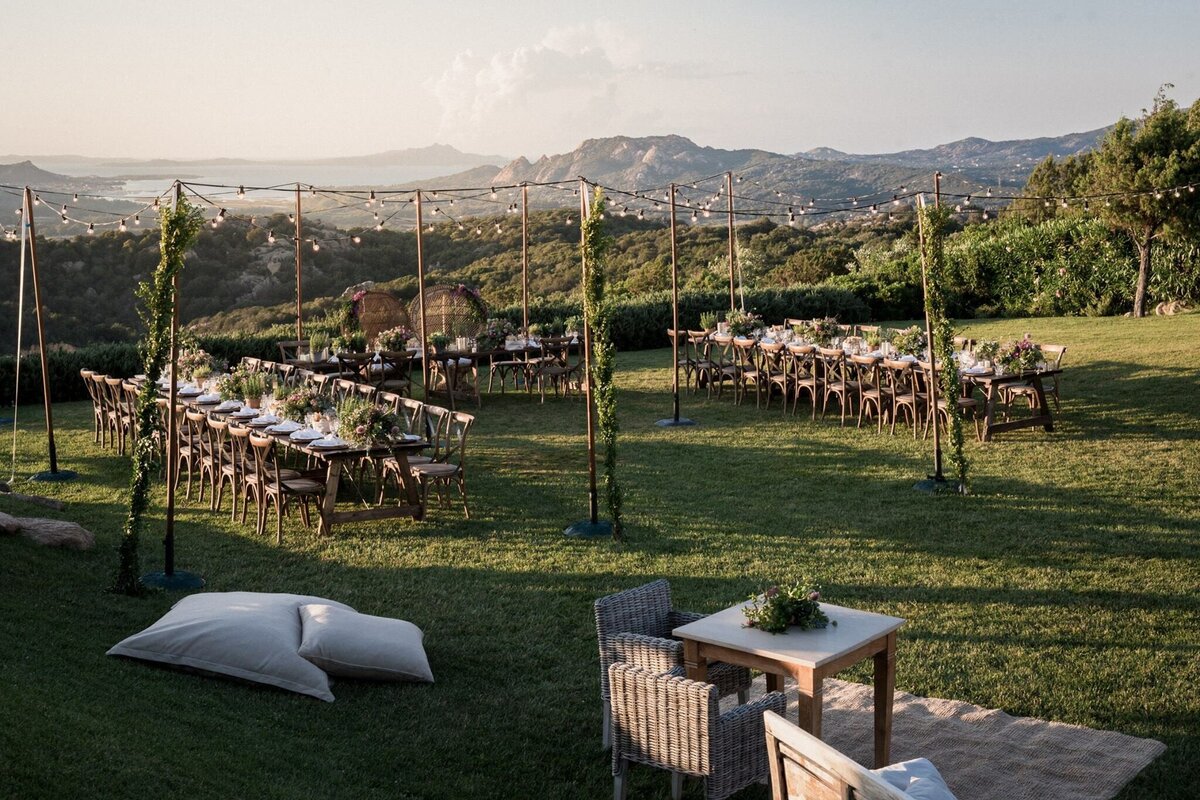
(676, 786)
(462, 490)
(621, 781)
(606, 723)
(279, 520)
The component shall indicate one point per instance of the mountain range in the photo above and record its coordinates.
(434, 155)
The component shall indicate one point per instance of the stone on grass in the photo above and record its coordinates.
(57, 533)
(9, 524)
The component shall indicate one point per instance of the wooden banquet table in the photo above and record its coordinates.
(992, 384)
(808, 657)
(334, 461)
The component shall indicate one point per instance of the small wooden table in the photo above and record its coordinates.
(806, 656)
(991, 384)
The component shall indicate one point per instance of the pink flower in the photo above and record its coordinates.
(360, 429)
(1062, 270)
(814, 596)
(769, 593)
(1058, 292)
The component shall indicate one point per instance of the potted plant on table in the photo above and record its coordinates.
(366, 424)
(318, 346)
(393, 339)
(743, 323)
(708, 321)
(254, 386)
(986, 352)
(787, 605)
(300, 404)
(438, 342)
(494, 335)
(910, 341)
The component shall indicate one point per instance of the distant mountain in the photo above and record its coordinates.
(26, 173)
(979, 158)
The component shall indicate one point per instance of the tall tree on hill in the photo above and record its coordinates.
(1144, 161)
(1051, 179)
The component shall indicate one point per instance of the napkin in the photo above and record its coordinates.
(329, 441)
(305, 435)
(287, 426)
(267, 419)
(229, 405)
(209, 398)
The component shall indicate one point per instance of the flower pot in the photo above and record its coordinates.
(254, 402)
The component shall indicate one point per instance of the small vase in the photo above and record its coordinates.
(254, 402)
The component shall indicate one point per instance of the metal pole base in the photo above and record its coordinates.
(936, 484)
(176, 581)
(61, 475)
(586, 529)
(671, 422)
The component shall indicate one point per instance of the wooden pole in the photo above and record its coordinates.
(172, 417)
(933, 374)
(525, 257)
(41, 331)
(593, 500)
(421, 294)
(729, 194)
(674, 313)
(937, 190)
(299, 264)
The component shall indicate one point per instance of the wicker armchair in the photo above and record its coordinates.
(645, 617)
(673, 723)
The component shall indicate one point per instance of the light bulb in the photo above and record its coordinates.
(791, 219)
(37, 201)
(570, 220)
(895, 199)
(479, 231)
(213, 222)
(155, 201)
(221, 215)
(498, 228)
(967, 201)
(356, 239)
(989, 191)
(91, 228)
(1087, 206)
(316, 245)
(693, 217)
(137, 219)
(75, 198)
(1046, 203)
(312, 190)
(985, 214)
(379, 225)
(1157, 195)
(241, 192)
(461, 227)
(874, 209)
(1064, 202)
(958, 208)
(854, 201)
(270, 237)
(641, 213)
(812, 201)
(371, 199)
(64, 217)
(122, 227)
(1176, 194)
(436, 210)
(493, 192)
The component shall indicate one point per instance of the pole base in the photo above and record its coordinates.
(671, 422)
(54, 477)
(586, 529)
(937, 484)
(176, 581)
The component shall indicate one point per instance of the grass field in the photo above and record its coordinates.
(1066, 587)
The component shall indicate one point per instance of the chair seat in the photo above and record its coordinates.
(302, 486)
(435, 470)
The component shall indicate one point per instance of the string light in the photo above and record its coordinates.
(221, 215)
(498, 228)
(356, 239)
(1158, 195)
(379, 225)
(371, 199)
(493, 192)
(316, 246)
(641, 213)
(292, 218)
(1064, 202)
(122, 227)
(271, 237)
(241, 192)
(137, 219)
(91, 228)
(75, 198)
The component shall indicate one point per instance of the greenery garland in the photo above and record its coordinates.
(179, 228)
(599, 313)
(933, 222)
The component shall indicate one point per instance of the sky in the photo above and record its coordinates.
(310, 78)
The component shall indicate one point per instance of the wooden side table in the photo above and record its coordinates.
(808, 657)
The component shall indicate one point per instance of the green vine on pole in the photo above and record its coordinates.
(179, 227)
(933, 222)
(599, 313)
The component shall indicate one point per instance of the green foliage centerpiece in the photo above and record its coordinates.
(743, 323)
(393, 340)
(495, 334)
(366, 424)
(299, 404)
(787, 605)
(179, 227)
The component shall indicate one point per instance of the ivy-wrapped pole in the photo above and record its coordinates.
(593, 506)
(53, 474)
(933, 367)
(172, 416)
(525, 257)
(299, 265)
(732, 240)
(675, 419)
(421, 294)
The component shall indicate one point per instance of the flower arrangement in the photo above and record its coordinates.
(254, 386)
(299, 404)
(787, 605)
(743, 323)
(393, 339)
(822, 331)
(573, 325)
(910, 341)
(473, 298)
(873, 339)
(439, 341)
(1019, 356)
(987, 350)
(708, 321)
(195, 363)
(366, 424)
(354, 342)
(494, 335)
(536, 329)
(230, 386)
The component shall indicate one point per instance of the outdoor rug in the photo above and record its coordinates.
(983, 754)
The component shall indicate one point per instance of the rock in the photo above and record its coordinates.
(9, 524)
(56, 533)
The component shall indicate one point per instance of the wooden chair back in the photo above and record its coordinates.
(252, 364)
(802, 767)
(1054, 354)
(437, 422)
(412, 412)
(291, 350)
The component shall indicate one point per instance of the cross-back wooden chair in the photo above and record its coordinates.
(873, 392)
(749, 372)
(395, 372)
(806, 375)
(272, 488)
(450, 466)
(291, 350)
(699, 367)
(906, 392)
(555, 366)
(839, 381)
(775, 371)
(724, 363)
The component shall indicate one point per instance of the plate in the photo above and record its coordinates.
(328, 444)
(188, 392)
(412, 437)
(259, 422)
(284, 427)
(305, 435)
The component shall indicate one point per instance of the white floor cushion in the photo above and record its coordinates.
(351, 645)
(917, 778)
(247, 635)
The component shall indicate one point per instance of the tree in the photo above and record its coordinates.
(1141, 163)
(1053, 179)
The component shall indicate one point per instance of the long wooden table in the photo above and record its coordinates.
(808, 657)
(991, 385)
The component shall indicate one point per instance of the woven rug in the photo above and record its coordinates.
(983, 754)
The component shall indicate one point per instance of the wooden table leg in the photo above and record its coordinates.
(1043, 407)
(990, 393)
(695, 665)
(408, 484)
(885, 688)
(774, 682)
(811, 700)
(332, 479)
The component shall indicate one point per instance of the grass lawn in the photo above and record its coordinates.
(1066, 587)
